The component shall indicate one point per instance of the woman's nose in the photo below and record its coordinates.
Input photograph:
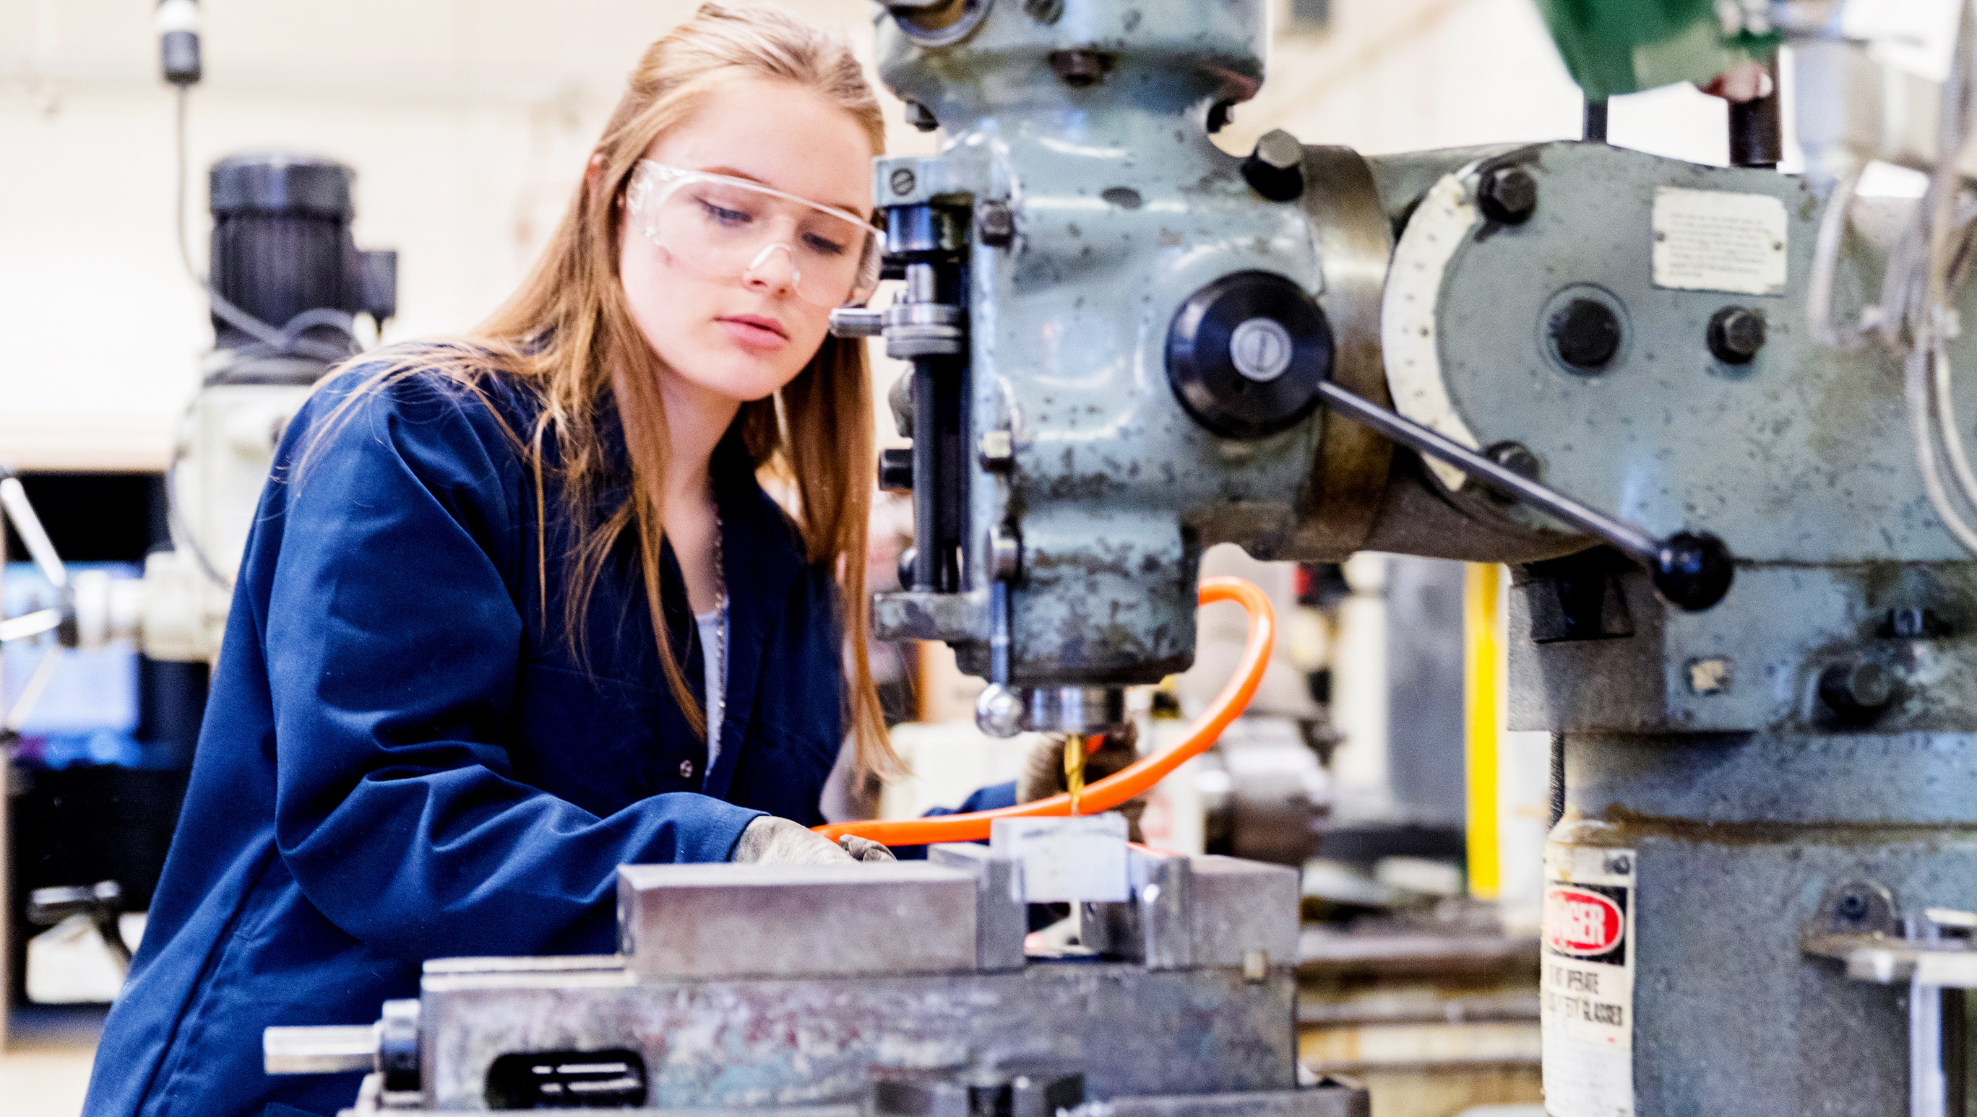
(773, 270)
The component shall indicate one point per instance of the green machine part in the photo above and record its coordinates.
(1624, 46)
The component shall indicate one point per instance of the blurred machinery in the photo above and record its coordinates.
(285, 282)
(1129, 345)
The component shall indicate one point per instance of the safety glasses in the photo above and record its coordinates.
(731, 230)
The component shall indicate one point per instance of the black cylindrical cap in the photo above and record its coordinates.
(281, 182)
(1692, 570)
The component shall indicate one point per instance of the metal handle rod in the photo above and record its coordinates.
(30, 624)
(14, 498)
(1638, 544)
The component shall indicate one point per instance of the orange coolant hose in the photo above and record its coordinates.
(1128, 782)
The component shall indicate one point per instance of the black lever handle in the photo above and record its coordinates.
(1691, 569)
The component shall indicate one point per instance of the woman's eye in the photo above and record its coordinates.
(823, 246)
(723, 214)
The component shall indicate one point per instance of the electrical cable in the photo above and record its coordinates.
(1129, 781)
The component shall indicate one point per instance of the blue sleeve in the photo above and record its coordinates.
(392, 643)
(993, 797)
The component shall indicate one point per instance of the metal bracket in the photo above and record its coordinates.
(1859, 924)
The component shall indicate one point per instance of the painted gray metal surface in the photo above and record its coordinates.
(1123, 207)
(726, 920)
(1800, 456)
(750, 1043)
(1779, 628)
(1730, 1013)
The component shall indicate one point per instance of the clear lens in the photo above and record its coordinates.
(729, 229)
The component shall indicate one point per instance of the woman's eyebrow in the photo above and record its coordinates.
(733, 172)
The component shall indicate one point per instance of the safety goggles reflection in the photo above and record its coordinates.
(731, 229)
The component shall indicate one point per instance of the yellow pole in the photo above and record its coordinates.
(1482, 675)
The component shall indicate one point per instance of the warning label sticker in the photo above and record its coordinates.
(1713, 240)
(1587, 987)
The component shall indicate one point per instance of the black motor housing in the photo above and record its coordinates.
(282, 244)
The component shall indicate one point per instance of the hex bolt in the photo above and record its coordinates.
(1586, 334)
(896, 469)
(1856, 692)
(1736, 333)
(1081, 68)
(921, 117)
(1275, 169)
(1913, 622)
(1515, 457)
(1044, 11)
(1508, 195)
(995, 224)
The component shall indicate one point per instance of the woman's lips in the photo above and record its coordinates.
(752, 331)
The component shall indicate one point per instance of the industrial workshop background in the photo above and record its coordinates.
(467, 123)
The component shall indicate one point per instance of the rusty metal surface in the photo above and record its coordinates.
(799, 1042)
(728, 920)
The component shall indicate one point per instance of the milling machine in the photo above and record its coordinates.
(1129, 345)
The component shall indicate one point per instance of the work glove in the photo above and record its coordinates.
(1043, 771)
(864, 849)
(777, 841)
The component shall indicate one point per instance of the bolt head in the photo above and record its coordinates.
(1736, 333)
(1515, 457)
(1586, 334)
(1508, 195)
(1280, 150)
(995, 225)
(1856, 692)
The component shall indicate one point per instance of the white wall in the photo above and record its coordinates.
(468, 122)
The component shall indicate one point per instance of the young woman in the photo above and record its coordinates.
(516, 611)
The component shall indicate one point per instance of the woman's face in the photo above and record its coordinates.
(745, 335)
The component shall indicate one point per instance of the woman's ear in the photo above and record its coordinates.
(593, 173)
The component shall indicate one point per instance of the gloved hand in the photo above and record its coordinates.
(865, 849)
(1043, 771)
(777, 841)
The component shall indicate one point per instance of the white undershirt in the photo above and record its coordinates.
(714, 669)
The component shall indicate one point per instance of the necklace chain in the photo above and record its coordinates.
(718, 654)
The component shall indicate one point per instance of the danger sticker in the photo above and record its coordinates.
(1587, 987)
(1585, 922)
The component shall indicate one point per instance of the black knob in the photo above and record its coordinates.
(896, 469)
(1508, 195)
(1692, 570)
(1245, 354)
(1586, 334)
(1856, 692)
(906, 560)
(1276, 168)
(1736, 333)
(921, 117)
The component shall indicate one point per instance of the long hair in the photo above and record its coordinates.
(568, 327)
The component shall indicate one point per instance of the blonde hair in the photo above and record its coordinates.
(568, 327)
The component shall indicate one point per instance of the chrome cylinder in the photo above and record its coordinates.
(1073, 709)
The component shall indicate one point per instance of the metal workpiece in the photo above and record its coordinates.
(736, 1043)
(728, 920)
(1001, 913)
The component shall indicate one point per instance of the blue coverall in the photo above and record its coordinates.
(402, 759)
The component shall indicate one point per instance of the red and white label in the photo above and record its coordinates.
(1582, 924)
